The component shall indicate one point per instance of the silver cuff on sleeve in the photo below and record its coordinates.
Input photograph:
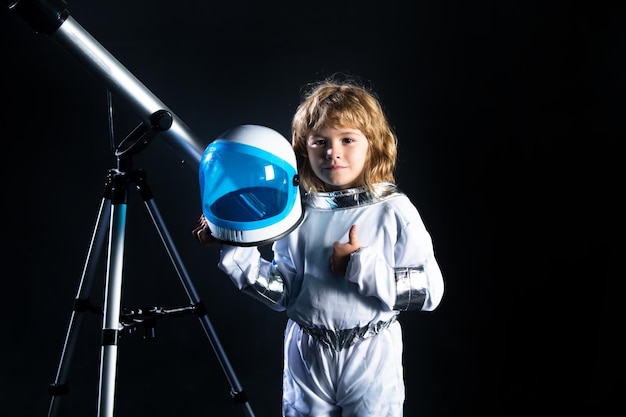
(410, 288)
(268, 289)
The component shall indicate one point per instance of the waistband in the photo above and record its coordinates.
(344, 338)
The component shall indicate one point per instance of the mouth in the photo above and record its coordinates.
(334, 167)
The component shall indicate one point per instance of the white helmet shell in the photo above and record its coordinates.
(249, 186)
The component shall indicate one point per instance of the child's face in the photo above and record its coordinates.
(337, 155)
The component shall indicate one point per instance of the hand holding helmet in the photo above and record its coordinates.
(202, 233)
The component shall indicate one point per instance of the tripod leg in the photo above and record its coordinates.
(81, 305)
(113, 298)
(236, 389)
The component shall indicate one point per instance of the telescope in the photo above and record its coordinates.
(52, 18)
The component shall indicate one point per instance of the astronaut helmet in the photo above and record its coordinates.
(249, 186)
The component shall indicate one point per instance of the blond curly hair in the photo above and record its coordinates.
(344, 104)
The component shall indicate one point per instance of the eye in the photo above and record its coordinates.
(316, 142)
(347, 140)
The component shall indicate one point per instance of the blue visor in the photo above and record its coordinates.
(243, 187)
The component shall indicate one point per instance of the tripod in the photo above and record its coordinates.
(114, 207)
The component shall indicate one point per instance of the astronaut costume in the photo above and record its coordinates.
(343, 344)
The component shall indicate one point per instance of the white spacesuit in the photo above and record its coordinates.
(339, 323)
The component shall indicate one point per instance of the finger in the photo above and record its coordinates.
(352, 237)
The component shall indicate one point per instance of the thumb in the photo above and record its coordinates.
(352, 238)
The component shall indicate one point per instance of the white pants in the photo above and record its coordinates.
(364, 380)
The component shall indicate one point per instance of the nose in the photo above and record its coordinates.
(332, 152)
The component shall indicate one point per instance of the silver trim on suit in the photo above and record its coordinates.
(410, 291)
(268, 289)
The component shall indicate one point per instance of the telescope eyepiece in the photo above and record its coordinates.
(45, 16)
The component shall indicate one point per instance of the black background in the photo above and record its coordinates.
(508, 114)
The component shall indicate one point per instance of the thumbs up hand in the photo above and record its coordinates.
(341, 252)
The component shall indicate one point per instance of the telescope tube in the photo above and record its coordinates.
(53, 19)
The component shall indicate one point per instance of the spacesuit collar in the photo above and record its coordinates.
(351, 197)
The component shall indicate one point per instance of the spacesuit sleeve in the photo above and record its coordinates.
(410, 279)
(254, 275)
